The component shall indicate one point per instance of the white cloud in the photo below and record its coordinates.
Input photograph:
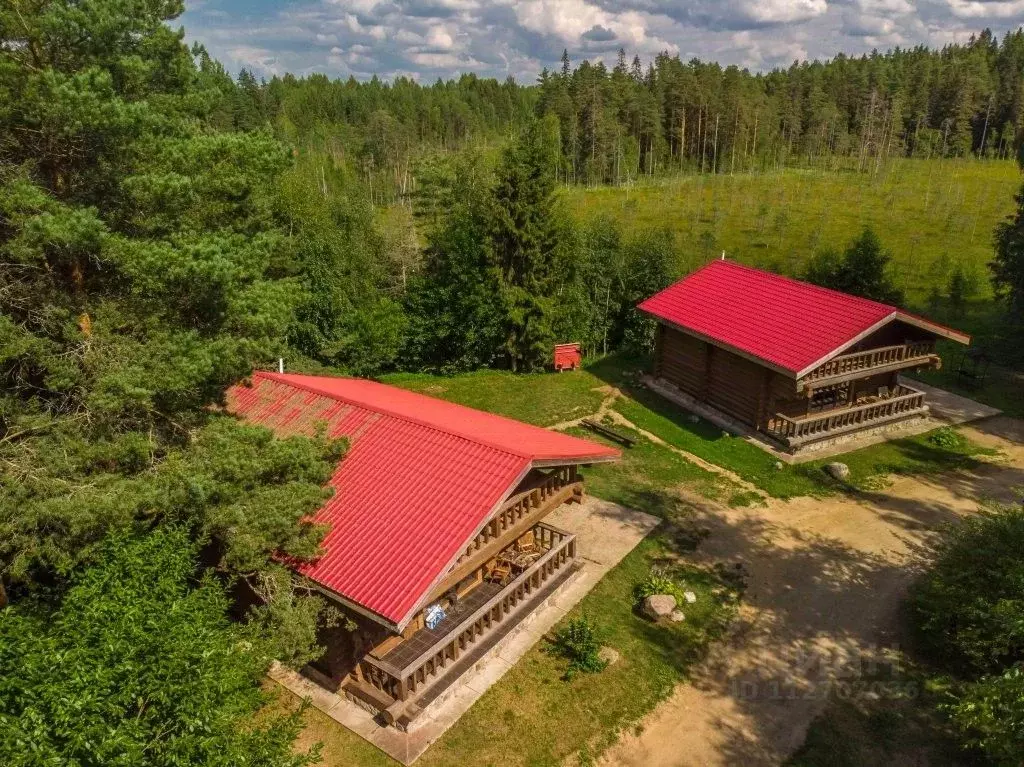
(784, 11)
(865, 25)
(886, 7)
(441, 38)
(987, 9)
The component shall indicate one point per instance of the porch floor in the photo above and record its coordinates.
(425, 638)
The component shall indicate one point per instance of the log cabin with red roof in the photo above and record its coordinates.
(800, 364)
(436, 540)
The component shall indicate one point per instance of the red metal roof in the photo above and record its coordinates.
(790, 325)
(420, 478)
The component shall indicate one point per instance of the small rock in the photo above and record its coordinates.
(690, 597)
(658, 606)
(725, 434)
(676, 616)
(779, 466)
(609, 655)
(837, 470)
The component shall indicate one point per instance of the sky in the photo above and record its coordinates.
(427, 39)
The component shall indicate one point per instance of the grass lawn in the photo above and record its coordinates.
(649, 474)
(648, 477)
(533, 717)
(543, 399)
(677, 427)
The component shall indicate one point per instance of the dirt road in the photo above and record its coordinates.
(826, 580)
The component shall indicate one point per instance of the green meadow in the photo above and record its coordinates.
(932, 215)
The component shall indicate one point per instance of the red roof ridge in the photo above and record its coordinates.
(289, 379)
(802, 283)
(897, 311)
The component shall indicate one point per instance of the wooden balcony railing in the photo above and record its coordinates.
(833, 422)
(903, 355)
(520, 506)
(404, 683)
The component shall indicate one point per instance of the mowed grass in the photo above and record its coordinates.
(649, 476)
(543, 399)
(533, 717)
(933, 215)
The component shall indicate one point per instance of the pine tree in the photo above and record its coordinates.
(143, 269)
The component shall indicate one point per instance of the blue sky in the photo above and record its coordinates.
(427, 39)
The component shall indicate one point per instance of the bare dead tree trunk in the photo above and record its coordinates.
(984, 132)
(714, 162)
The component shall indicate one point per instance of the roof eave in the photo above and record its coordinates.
(421, 602)
(847, 344)
(424, 597)
(896, 314)
(950, 334)
(350, 604)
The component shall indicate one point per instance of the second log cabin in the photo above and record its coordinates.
(437, 537)
(801, 364)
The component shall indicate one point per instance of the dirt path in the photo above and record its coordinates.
(607, 410)
(826, 579)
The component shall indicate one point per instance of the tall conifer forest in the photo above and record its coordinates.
(167, 226)
(646, 118)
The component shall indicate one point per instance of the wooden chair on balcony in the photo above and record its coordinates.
(527, 543)
(500, 573)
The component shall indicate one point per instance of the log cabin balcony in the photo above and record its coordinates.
(869, 362)
(411, 674)
(899, 403)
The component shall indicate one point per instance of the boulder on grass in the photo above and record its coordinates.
(690, 597)
(677, 616)
(658, 606)
(837, 470)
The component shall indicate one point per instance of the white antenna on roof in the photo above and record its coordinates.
(280, 364)
(723, 255)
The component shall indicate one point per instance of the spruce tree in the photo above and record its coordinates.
(862, 270)
(1008, 265)
(525, 239)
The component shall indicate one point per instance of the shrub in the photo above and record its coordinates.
(578, 643)
(657, 582)
(948, 438)
(968, 609)
(990, 715)
(969, 612)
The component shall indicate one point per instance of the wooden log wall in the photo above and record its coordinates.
(733, 384)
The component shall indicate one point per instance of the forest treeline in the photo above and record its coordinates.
(615, 124)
